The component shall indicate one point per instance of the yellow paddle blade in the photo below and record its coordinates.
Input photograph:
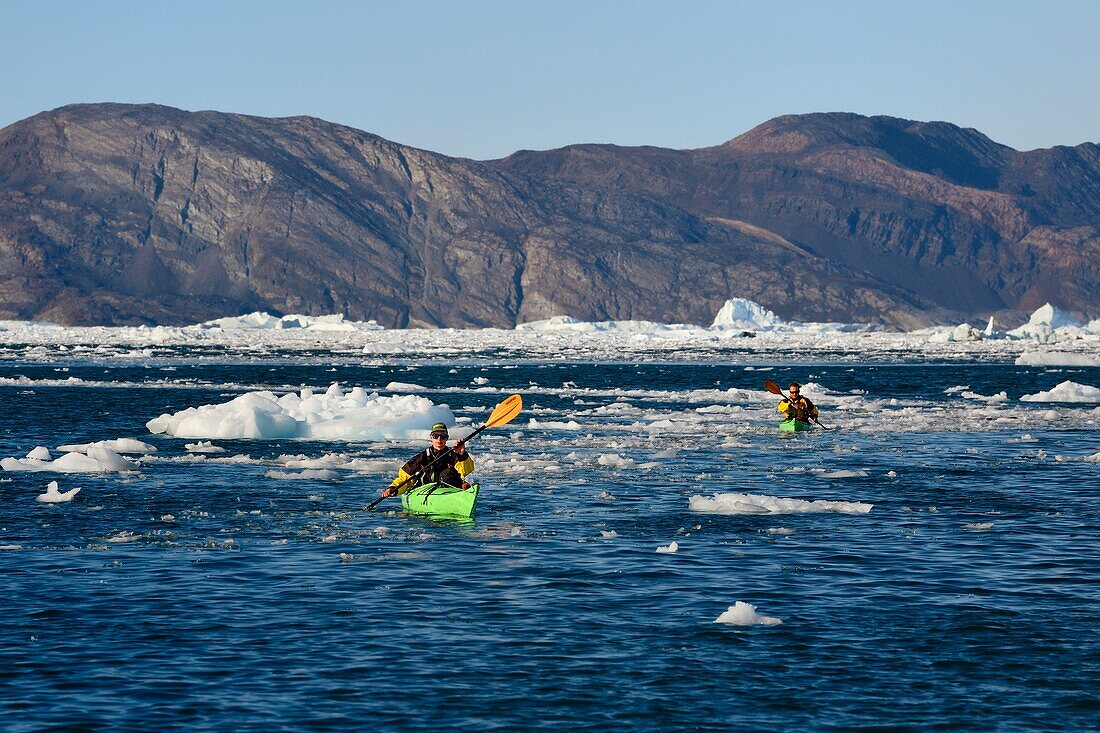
(505, 412)
(772, 387)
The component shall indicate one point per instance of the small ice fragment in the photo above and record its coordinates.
(53, 496)
(780, 530)
(744, 614)
(608, 534)
(669, 548)
(204, 446)
(978, 526)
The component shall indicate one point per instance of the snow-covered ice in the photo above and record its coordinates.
(744, 614)
(1067, 391)
(668, 549)
(98, 459)
(764, 504)
(333, 415)
(54, 496)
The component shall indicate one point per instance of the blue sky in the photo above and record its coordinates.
(483, 79)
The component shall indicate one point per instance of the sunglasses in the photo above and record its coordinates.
(439, 435)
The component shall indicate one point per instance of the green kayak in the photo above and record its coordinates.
(441, 500)
(794, 426)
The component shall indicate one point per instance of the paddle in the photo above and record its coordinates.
(504, 413)
(775, 389)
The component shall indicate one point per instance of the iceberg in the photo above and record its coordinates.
(333, 415)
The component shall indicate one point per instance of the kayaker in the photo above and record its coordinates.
(796, 406)
(451, 469)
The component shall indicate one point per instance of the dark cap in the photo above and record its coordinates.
(439, 427)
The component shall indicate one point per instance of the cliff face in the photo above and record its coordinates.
(146, 214)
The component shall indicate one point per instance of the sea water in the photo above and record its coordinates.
(929, 562)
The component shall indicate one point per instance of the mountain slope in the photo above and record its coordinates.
(147, 214)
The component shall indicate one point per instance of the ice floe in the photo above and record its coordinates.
(98, 459)
(668, 549)
(1057, 358)
(118, 445)
(332, 415)
(1067, 391)
(763, 504)
(54, 496)
(744, 614)
(259, 334)
(203, 446)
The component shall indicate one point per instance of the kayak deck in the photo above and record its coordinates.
(794, 426)
(441, 500)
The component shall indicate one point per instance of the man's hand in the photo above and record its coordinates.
(459, 448)
(388, 492)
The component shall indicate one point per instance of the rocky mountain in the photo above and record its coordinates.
(146, 214)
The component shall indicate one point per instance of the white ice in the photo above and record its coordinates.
(118, 445)
(333, 415)
(54, 496)
(764, 504)
(668, 549)
(261, 334)
(1057, 358)
(744, 614)
(98, 459)
(203, 446)
(1067, 391)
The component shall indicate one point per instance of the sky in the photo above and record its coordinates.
(482, 79)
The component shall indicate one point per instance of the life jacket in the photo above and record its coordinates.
(443, 471)
(801, 409)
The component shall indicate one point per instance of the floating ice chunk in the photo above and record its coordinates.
(1048, 315)
(550, 425)
(119, 445)
(404, 387)
(612, 534)
(843, 474)
(764, 504)
(992, 399)
(204, 446)
(266, 322)
(614, 460)
(1067, 391)
(54, 496)
(311, 473)
(1056, 358)
(741, 314)
(40, 453)
(480, 380)
(1094, 458)
(668, 549)
(98, 460)
(124, 536)
(780, 530)
(978, 526)
(744, 614)
(335, 415)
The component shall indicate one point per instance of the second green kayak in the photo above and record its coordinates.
(794, 426)
(441, 500)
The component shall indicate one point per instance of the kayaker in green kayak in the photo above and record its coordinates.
(796, 406)
(451, 470)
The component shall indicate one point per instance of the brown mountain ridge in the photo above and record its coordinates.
(122, 214)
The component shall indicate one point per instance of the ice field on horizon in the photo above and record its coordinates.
(741, 329)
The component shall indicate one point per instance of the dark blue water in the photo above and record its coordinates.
(967, 598)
